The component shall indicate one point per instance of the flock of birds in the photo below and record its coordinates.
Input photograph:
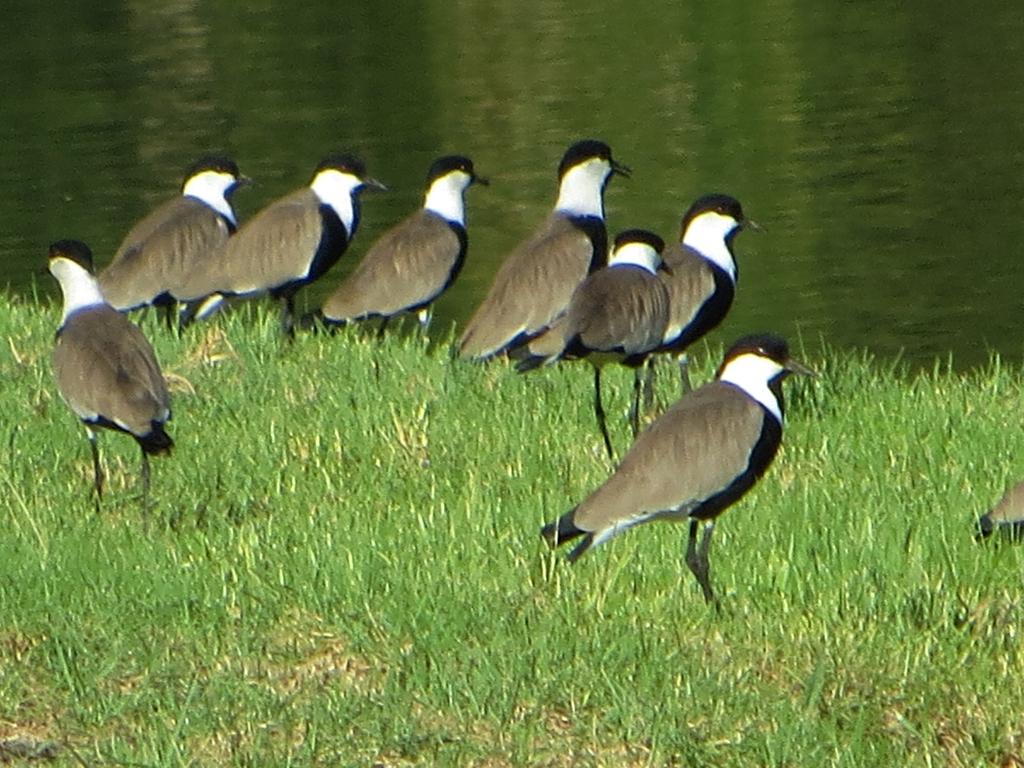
(561, 294)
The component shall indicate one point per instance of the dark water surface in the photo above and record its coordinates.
(881, 145)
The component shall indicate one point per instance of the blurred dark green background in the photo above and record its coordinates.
(880, 144)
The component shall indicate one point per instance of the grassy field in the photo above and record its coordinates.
(342, 567)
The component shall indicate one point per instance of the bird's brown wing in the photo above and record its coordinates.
(106, 368)
(694, 450)
(271, 249)
(531, 288)
(689, 281)
(619, 308)
(408, 266)
(168, 252)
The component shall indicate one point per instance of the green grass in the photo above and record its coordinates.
(342, 567)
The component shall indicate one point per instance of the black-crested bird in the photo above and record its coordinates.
(617, 314)
(288, 244)
(536, 281)
(163, 249)
(105, 368)
(415, 261)
(1007, 516)
(696, 459)
(701, 273)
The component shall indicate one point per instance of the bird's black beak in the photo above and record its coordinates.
(795, 366)
(752, 225)
(372, 183)
(482, 180)
(663, 267)
(622, 170)
(241, 181)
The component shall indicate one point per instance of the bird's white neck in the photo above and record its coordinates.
(581, 191)
(336, 189)
(211, 187)
(707, 235)
(752, 373)
(446, 197)
(78, 286)
(637, 255)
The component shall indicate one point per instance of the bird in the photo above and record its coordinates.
(535, 282)
(104, 366)
(696, 459)
(415, 261)
(161, 250)
(1007, 515)
(617, 314)
(288, 244)
(701, 275)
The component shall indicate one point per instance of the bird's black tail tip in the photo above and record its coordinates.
(316, 321)
(563, 530)
(529, 363)
(157, 441)
(985, 527)
(1007, 530)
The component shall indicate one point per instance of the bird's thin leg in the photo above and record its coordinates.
(599, 413)
(380, 329)
(97, 471)
(168, 312)
(648, 383)
(684, 373)
(288, 316)
(634, 411)
(145, 484)
(697, 558)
